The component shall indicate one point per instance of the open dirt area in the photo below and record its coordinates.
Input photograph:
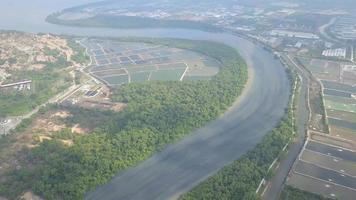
(343, 132)
(43, 127)
(94, 96)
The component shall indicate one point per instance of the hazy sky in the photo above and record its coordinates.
(26, 8)
(27, 13)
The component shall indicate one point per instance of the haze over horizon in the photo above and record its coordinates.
(178, 99)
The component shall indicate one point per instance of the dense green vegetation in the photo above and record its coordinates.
(240, 179)
(45, 84)
(130, 22)
(52, 52)
(158, 113)
(290, 193)
(79, 54)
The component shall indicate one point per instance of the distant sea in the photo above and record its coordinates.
(30, 15)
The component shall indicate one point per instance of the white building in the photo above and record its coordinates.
(286, 33)
(340, 52)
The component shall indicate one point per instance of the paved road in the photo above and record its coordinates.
(181, 166)
(15, 121)
(275, 185)
(322, 31)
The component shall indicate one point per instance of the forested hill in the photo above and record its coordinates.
(158, 113)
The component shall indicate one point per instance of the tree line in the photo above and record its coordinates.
(241, 179)
(157, 113)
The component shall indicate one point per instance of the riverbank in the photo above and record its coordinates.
(242, 178)
(140, 128)
(227, 138)
(126, 22)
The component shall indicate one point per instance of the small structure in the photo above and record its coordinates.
(18, 85)
(298, 45)
(293, 34)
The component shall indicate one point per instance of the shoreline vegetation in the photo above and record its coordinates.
(291, 193)
(240, 179)
(129, 22)
(157, 114)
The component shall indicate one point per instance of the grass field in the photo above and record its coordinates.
(196, 78)
(339, 86)
(323, 66)
(331, 72)
(343, 132)
(167, 75)
(310, 189)
(332, 105)
(337, 93)
(140, 76)
(109, 72)
(140, 69)
(340, 99)
(210, 63)
(172, 66)
(117, 80)
(290, 193)
(335, 141)
(322, 69)
(349, 77)
(343, 124)
(144, 62)
(347, 116)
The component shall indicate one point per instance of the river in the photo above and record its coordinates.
(183, 165)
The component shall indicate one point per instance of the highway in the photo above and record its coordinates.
(183, 165)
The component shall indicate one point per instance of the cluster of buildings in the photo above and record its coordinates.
(293, 34)
(220, 14)
(345, 28)
(30, 52)
(340, 53)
